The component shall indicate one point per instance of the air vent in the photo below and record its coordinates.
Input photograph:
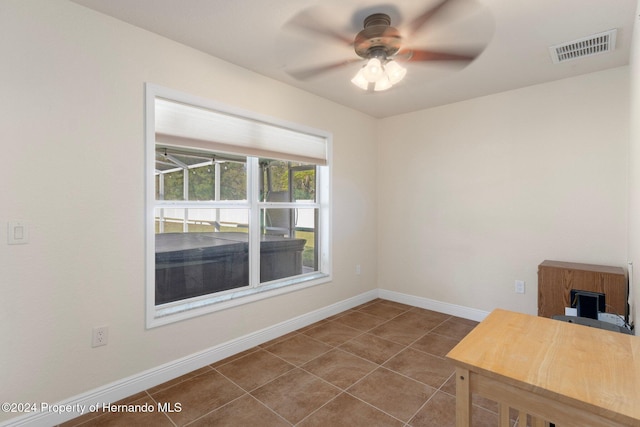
(586, 46)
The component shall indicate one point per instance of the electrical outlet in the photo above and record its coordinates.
(100, 336)
(519, 287)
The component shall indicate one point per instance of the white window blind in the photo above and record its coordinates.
(182, 125)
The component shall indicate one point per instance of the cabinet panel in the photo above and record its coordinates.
(557, 278)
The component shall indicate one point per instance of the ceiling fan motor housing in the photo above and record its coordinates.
(378, 38)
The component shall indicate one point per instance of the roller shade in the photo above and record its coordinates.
(183, 125)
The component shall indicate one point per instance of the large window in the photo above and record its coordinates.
(238, 207)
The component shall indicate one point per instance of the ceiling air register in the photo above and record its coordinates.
(586, 46)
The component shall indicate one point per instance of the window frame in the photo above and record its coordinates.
(157, 315)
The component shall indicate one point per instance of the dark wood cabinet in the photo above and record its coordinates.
(556, 279)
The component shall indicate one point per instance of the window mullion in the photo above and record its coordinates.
(253, 191)
(216, 190)
(185, 195)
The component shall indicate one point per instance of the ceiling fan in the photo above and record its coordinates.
(384, 48)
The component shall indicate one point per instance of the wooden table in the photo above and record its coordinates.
(558, 372)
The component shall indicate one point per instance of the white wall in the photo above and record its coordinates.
(634, 170)
(474, 195)
(72, 88)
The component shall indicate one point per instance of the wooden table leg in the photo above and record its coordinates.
(522, 418)
(538, 422)
(503, 411)
(463, 398)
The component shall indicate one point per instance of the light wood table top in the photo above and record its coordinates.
(592, 370)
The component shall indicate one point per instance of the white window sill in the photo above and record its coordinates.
(198, 306)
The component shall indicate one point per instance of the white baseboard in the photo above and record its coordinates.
(120, 389)
(430, 304)
(136, 383)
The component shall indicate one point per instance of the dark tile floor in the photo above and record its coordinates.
(378, 364)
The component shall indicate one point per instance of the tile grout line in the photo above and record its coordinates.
(438, 390)
(345, 391)
(246, 394)
(164, 413)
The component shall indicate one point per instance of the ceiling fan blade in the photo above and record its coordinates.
(417, 23)
(307, 22)
(308, 73)
(418, 55)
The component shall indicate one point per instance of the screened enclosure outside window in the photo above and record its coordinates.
(238, 207)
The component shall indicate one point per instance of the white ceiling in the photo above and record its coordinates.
(266, 36)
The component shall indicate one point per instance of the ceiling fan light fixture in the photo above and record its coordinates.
(382, 76)
(360, 81)
(394, 71)
(382, 84)
(373, 71)
(378, 43)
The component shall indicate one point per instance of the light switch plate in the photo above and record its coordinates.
(17, 233)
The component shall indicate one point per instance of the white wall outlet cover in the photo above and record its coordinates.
(100, 336)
